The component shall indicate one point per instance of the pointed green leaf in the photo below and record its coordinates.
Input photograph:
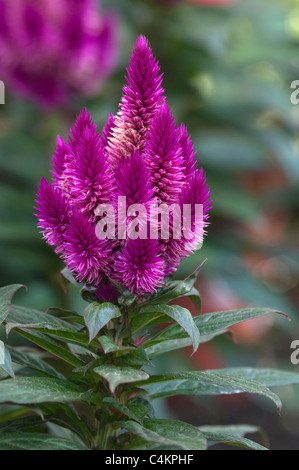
(207, 382)
(120, 375)
(169, 433)
(209, 324)
(19, 315)
(137, 357)
(5, 360)
(65, 415)
(136, 412)
(32, 361)
(48, 344)
(6, 295)
(173, 344)
(267, 377)
(36, 441)
(109, 346)
(180, 315)
(233, 435)
(26, 390)
(68, 276)
(97, 315)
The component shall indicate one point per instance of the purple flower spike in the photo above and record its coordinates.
(85, 255)
(139, 266)
(53, 214)
(195, 193)
(143, 94)
(163, 156)
(92, 182)
(107, 131)
(59, 161)
(188, 154)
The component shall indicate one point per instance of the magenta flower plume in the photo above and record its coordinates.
(50, 50)
(92, 181)
(163, 156)
(59, 161)
(53, 212)
(86, 256)
(140, 267)
(143, 94)
(196, 193)
(107, 131)
(188, 154)
(102, 210)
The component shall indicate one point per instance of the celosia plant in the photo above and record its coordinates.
(51, 50)
(97, 391)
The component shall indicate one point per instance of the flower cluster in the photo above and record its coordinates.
(50, 49)
(142, 156)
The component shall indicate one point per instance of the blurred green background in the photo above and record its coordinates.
(227, 75)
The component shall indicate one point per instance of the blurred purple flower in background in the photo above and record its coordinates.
(141, 155)
(50, 49)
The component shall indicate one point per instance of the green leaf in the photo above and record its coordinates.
(125, 298)
(173, 344)
(211, 322)
(45, 327)
(180, 315)
(137, 357)
(63, 335)
(32, 361)
(51, 346)
(5, 360)
(66, 274)
(233, 435)
(6, 295)
(177, 288)
(36, 441)
(208, 324)
(141, 320)
(120, 375)
(134, 412)
(109, 346)
(65, 415)
(170, 433)
(21, 424)
(267, 377)
(25, 390)
(97, 315)
(207, 383)
(22, 316)
(12, 412)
